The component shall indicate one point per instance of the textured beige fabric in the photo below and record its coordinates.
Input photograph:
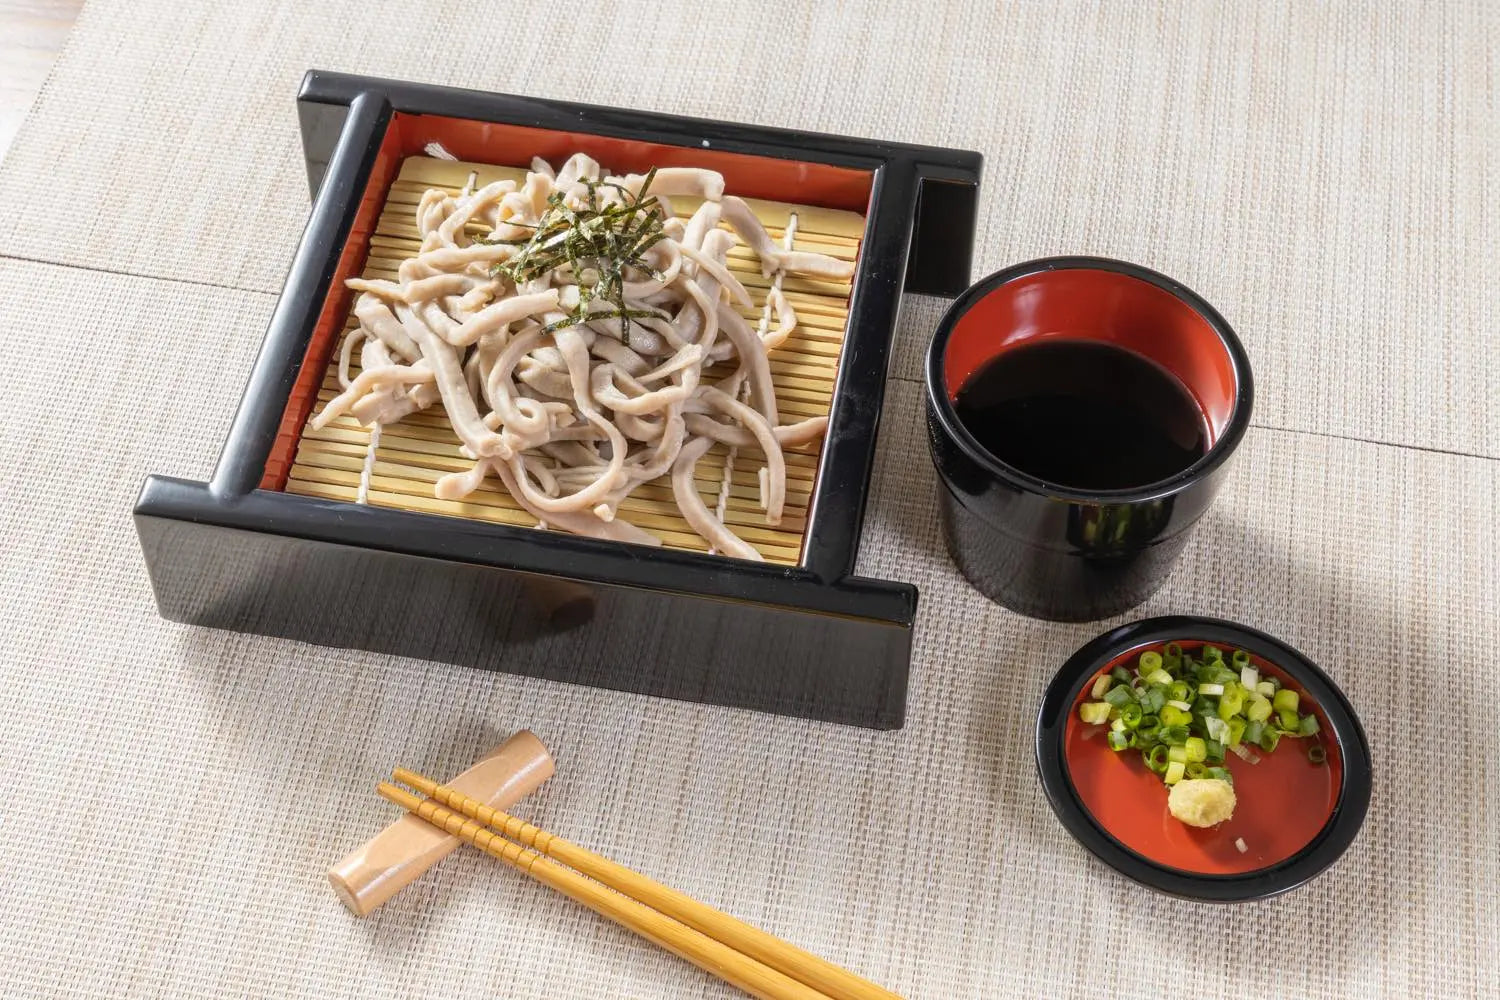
(1324, 174)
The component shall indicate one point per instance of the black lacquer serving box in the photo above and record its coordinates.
(805, 637)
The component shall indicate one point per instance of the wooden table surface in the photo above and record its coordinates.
(31, 35)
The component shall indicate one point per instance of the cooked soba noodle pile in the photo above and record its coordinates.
(569, 345)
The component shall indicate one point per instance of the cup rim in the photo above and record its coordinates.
(953, 428)
(1315, 857)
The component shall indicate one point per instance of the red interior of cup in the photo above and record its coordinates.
(1282, 802)
(1084, 303)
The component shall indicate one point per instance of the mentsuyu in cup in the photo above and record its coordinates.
(1083, 415)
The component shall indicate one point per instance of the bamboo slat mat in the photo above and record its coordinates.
(412, 454)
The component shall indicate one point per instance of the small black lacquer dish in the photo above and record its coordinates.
(1298, 805)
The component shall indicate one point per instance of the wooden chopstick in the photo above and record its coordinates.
(837, 983)
(711, 956)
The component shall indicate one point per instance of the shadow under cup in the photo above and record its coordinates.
(1044, 549)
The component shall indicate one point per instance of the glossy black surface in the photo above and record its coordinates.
(836, 667)
(1344, 728)
(1053, 552)
(349, 162)
(812, 640)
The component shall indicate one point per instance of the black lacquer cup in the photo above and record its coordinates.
(1045, 549)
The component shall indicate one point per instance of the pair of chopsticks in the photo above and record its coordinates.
(741, 955)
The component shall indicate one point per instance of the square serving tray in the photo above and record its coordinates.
(273, 544)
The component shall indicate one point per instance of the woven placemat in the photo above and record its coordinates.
(1324, 174)
(175, 795)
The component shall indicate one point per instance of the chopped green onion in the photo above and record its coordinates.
(1171, 715)
(1183, 712)
(1173, 735)
(1095, 713)
(1246, 754)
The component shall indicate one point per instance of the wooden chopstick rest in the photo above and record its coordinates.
(780, 955)
(398, 855)
(710, 955)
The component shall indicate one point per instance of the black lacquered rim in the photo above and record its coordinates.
(955, 431)
(1322, 851)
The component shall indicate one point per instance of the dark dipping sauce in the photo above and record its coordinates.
(1083, 415)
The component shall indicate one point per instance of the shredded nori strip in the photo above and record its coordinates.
(609, 240)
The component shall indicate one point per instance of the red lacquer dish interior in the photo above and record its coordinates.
(1283, 801)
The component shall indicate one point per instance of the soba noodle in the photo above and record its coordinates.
(569, 346)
